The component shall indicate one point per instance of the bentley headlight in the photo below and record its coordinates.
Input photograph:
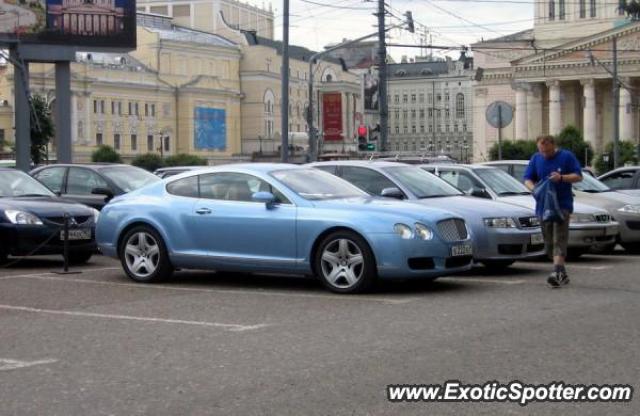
(500, 222)
(403, 231)
(22, 217)
(582, 218)
(630, 209)
(96, 215)
(423, 232)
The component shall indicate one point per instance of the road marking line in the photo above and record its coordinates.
(17, 276)
(230, 327)
(482, 280)
(7, 364)
(233, 291)
(570, 266)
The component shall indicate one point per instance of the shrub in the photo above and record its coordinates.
(627, 152)
(516, 150)
(148, 161)
(106, 154)
(183, 159)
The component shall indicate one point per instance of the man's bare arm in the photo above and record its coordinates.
(529, 184)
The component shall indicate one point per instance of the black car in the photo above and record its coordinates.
(93, 184)
(32, 220)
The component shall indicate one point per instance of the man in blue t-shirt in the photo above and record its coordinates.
(562, 168)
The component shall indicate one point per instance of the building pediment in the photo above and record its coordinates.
(600, 45)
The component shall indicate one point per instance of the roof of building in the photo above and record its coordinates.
(525, 35)
(295, 52)
(164, 27)
(112, 60)
(417, 69)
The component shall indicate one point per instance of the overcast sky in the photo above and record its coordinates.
(451, 22)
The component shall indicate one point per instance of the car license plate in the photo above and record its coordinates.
(462, 250)
(80, 234)
(537, 239)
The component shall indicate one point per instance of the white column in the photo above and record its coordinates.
(626, 114)
(555, 109)
(534, 108)
(74, 119)
(589, 115)
(522, 121)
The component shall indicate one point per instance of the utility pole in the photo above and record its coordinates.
(616, 106)
(382, 74)
(284, 108)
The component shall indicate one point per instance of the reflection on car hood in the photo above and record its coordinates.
(45, 206)
(476, 208)
(528, 201)
(386, 205)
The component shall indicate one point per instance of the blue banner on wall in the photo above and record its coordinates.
(210, 129)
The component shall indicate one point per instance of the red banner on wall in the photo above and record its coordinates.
(332, 116)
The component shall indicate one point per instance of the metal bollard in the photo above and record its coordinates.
(65, 243)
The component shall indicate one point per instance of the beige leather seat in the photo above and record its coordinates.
(239, 191)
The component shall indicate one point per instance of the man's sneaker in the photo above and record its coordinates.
(563, 280)
(553, 280)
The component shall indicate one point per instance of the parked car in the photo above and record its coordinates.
(93, 184)
(32, 219)
(279, 218)
(589, 227)
(502, 233)
(625, 179)
(623, 208)
(175, 170)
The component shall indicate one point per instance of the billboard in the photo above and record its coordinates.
(91, 23)
(370, 92)
(332, 116)
(210, 129)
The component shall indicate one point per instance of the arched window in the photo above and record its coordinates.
(460, 105)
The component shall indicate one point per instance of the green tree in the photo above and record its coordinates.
(627, 152)
(148, 161)
(42, 129)
(106, 154)
(571, 139)
(514, 150)
(183, 159)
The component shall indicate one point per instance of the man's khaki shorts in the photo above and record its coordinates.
(556, 236)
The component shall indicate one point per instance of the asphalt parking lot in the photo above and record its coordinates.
(96, 343)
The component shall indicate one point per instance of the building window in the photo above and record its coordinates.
(431, 112)
(406, 129)
(95, 106)
(397, 129)
(446, 96)
(101, 106)
(405, 98)
(430, 128)
(150, 143)
(396, 99)
(460, 105)
(583, 9)
(552, 9)
(413, 113)
(413, 128)
(439, 97)
(422, 113)
(405, 113)
(446, 113)
(421, 98)
(397, 112)
(621, 7)
(153, 110)
(134, 142)
(98, 139)
(592, 6)
(113, 107)
(430, 99)
(446, 128)
(119, 108)
(422, 128)
(413, 98)
(167, 144)
(137, 109)
(146, 110)
(561, 9)
(455, 128)
(116, 141)
(130, 108)
(464, 127)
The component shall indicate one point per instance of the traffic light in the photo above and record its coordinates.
(362, 138)
(371, 146)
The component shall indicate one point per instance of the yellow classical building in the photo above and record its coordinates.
(179, 92)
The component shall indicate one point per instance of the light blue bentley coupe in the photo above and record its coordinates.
(279, 218)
